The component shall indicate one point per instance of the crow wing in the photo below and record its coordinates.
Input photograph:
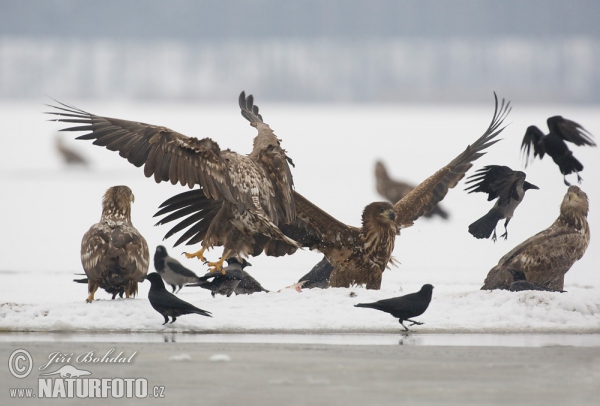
(570, 131)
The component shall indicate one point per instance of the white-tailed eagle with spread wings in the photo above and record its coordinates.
(253, 192)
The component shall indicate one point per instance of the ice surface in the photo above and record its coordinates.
(47, 208)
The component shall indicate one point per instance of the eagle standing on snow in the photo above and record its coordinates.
(114, 255)
(546, 257)
(253, 193)
(359, 255)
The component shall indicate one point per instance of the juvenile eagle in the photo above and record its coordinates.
(114, 255)
(394, 190)
(546, 257)
(359, 255)
(252, 192)
(508, 187)
(553, 144)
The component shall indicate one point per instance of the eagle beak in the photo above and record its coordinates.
(391, 215)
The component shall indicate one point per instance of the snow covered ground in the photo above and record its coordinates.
(47, 208)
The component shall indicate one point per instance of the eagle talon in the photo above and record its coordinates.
(198, 254)
(216, 266)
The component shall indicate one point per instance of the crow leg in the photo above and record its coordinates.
(173, 287)
(505, 235)
(494, 237)
(166, 319)
(565, 180)
(405, 328)
(418, 323)
(579, 178)
(174, 318)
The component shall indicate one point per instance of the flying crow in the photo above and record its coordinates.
(553, 144)
(404, 307)
(171, 270)
(167, 303)
(498, 182)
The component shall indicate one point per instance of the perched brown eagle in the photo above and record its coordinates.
(546, 257)
(359, 255)
(114, 255)
(252, 192)
(394, 190)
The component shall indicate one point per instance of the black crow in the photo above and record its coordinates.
(520, 283)
(498, 182)
(167, 303)
(404, 307)
(553, 144)
(234, 280)
(171, 270)
(319, 275)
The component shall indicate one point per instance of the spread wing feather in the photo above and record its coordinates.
(431, 191)
(570, 131)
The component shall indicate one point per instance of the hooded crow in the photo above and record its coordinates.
(234, 280)
(171, 270)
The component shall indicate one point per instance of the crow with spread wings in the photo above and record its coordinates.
(359, 255)
(253, 193)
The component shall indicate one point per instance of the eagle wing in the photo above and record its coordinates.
(431, 191)
(570, 131)
(170, 156)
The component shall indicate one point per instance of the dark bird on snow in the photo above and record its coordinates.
(546, 257)
(498, 182)
(112, 291)
(404, 307)
(171, 270)
(394, 190)
(167, 303)
(234, 280)
(520, 283)
(554, 145)
(252, 193)
(319, 275)
(114, 254)
(359, 255)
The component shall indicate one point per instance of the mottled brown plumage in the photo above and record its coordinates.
(114, 255)
(394, 190)
(546, 257)
(253, 192)
(359, 255)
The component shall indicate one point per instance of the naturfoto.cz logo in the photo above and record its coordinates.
(69, 381)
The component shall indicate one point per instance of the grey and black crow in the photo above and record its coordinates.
(171, 270)
(520, 283)
(319, 275)
(234, 280)
(167, 303)
(404, 307)
(498, 182)
(553, 144)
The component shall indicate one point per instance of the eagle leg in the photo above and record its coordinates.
(92, 288)
(217, 266)
(198, 254)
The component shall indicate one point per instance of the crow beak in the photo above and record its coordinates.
(527, 186)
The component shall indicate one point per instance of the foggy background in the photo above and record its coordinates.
(535, 51)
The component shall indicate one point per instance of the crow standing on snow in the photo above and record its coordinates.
(498, 182)
(167, 303)
(553, 144)
(404, 307)
(171, 270)
(113, 291)
(319, 275)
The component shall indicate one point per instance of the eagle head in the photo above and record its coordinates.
(117, 202)
(575, 199)
(379, 213)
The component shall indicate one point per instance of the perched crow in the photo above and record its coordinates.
(318, 277)
(520, 283)
(395, 190)
(171, 270)
(404, 307)
(498, 182)
(113, 291)
(553, 144)
(234, 280)
(167, 303)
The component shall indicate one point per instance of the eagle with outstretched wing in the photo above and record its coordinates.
(359, 255)
(114, 254)
(253, 192)
(546, 257)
